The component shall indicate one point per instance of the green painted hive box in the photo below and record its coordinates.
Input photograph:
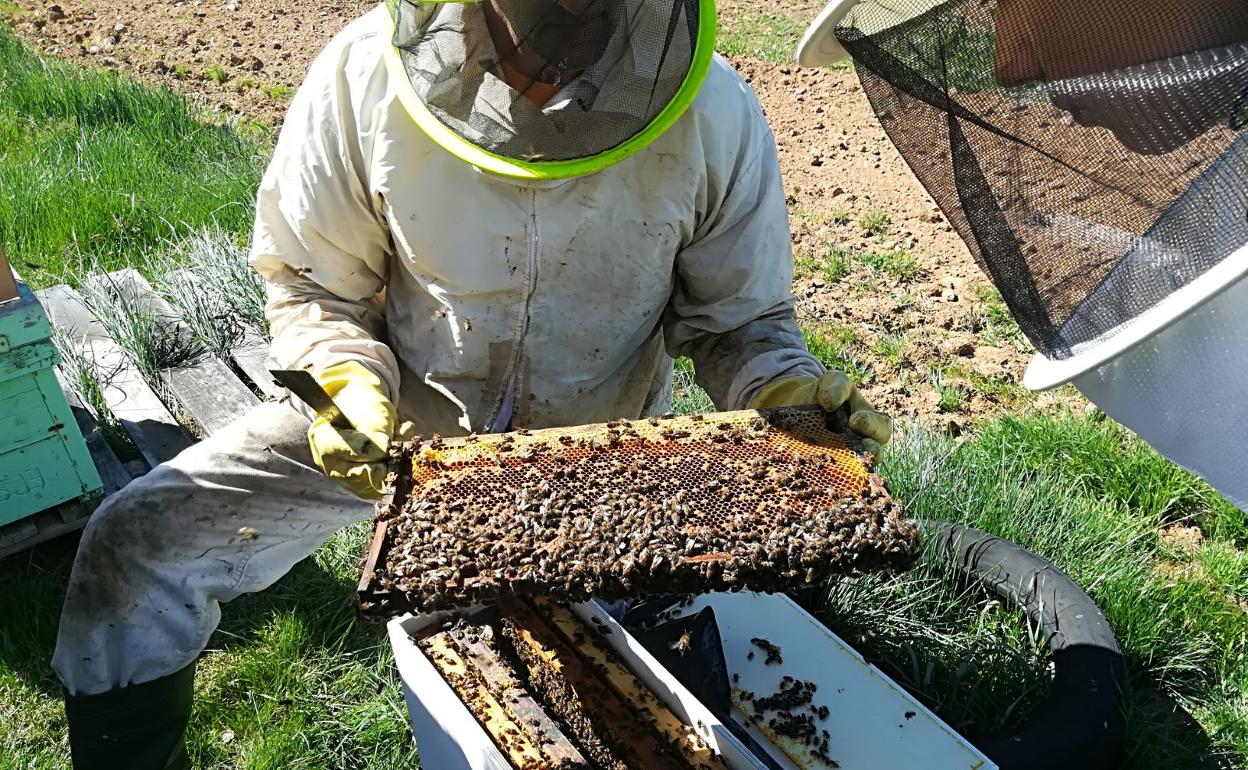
(43, 459)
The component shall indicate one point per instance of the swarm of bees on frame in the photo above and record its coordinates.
(768, 501)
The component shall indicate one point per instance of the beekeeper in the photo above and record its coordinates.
(479, 216)
(1094, 157)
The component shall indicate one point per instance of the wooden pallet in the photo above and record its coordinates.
(207, 395)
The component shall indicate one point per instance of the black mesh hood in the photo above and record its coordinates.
(612, 65)
(1094, 159)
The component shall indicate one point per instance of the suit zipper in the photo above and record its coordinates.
(511, 376)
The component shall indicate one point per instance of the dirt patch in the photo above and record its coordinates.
(882, 277)
(238, 56)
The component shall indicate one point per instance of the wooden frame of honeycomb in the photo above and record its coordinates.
(768, 500)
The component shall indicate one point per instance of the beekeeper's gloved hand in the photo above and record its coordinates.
(830, 391)
(346, 455)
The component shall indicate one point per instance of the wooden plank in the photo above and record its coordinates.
(111, 471)
(206, 389)
(252, 358)
(140, 411)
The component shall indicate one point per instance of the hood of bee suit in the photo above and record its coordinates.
(542, 90)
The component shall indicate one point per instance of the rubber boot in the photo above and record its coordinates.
(140, 727)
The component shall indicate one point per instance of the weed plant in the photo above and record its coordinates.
(687, 396)
(207, 279)
(833, 346)
(88, 379)
(837, 265)
(898, 264)
(94, 164)
(152, 340)
(874, 222)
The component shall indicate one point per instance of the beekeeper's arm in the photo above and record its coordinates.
(732, 308)
(323, 250)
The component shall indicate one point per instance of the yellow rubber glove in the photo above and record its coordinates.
(356, 459)
(830, 391)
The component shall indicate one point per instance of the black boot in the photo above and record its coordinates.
(140, 727)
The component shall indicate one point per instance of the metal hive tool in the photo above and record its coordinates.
(762, 500)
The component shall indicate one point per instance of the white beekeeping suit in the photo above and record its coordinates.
(472, 289)
(564, 291)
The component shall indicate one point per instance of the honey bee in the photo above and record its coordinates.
(681, 645)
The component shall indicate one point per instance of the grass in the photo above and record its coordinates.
(278, 92)
(757, 34)
(148, 336)
(891, 348)
(217, 74)
(837, 265)
(83, 374)
(688, 397)
(898, 264)
(293, 679)
(1089, 498)
(874, 222)
(96, 166)
(834, 346)
(208, 281)
(977, 663)
(992, 321)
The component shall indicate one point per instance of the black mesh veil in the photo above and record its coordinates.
(547, 80)
(1091, 153)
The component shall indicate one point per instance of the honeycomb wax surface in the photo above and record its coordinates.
(766, 501)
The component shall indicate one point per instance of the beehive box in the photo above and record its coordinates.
(43, 458)
(767, 500)
(872, 723)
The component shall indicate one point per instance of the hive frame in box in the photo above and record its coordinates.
(868, 711)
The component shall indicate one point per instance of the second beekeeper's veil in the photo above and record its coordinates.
(1094, 157)
(1091, 154)
(549, 89)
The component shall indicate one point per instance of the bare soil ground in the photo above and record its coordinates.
(881, 274)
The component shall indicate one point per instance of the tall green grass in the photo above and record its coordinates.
(94, 165)
(1090, 499)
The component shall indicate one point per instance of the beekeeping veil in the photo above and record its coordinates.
(1093, 155)
(548, 89)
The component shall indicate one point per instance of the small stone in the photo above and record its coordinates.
(227, 736)
(119, 28)
(110, 61)
(93, 49)
(247, 533)
(818, 283)
(934, 216)
(949, 295)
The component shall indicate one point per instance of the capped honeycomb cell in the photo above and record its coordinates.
(761, 500)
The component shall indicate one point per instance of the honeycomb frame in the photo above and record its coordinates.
(768, 500)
